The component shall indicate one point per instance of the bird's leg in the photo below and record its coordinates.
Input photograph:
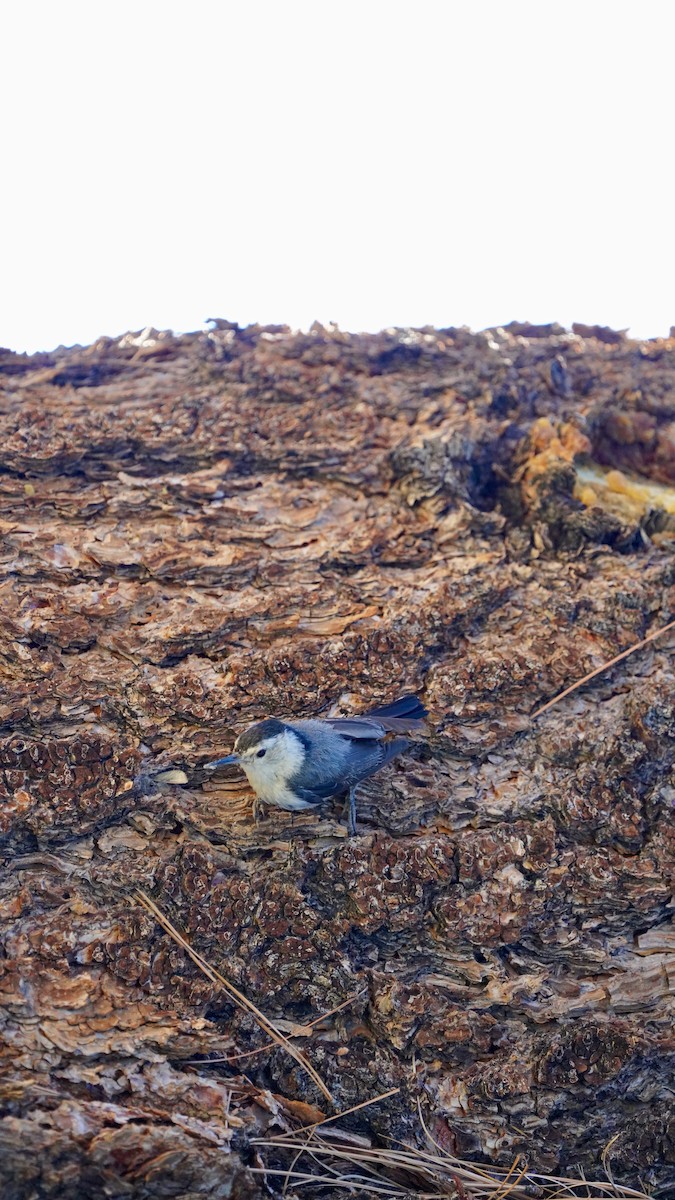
(352, 812)
(257, 810)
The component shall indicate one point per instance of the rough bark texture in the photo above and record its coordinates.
(199, 531)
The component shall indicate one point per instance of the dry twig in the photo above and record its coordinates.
(239, 998)
(345, 1112)
(232, 1058)
(605, 667)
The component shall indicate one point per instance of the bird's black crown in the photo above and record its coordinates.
(259, 732)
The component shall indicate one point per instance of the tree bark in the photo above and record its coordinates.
(200, 531)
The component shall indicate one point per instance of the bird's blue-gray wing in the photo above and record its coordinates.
(317, 793)
(406, 714)
(356, 727)
(363, 759)
(333, 764)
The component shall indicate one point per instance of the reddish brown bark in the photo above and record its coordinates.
(203, 530)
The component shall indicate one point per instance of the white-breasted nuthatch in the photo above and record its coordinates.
(299, 764)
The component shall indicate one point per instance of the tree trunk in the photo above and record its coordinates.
(200, 531)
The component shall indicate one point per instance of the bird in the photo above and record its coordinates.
(296, 764)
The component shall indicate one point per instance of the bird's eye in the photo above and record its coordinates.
(261, 754)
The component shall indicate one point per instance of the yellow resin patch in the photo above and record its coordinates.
(627, 495)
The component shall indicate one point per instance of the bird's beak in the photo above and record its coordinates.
(221, 762)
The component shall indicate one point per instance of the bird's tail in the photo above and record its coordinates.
(403, 714)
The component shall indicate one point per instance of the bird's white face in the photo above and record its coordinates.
(270, 764)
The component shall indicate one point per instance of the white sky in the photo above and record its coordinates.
(373, 163)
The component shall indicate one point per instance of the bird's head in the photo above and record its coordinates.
(269, 753)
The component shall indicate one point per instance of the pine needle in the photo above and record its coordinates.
(443, 1173)
(239, 998)
(605, 667)
(345, 1113)
(232, 1058)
